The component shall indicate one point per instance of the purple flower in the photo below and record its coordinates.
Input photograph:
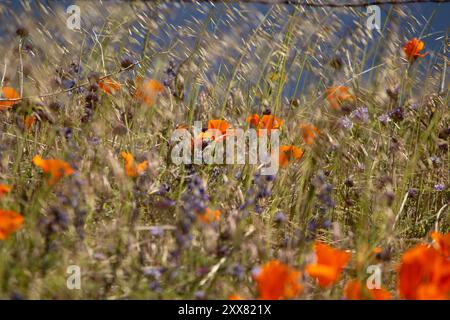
(384, 118)
(439, 187)
(346, 123)
(361, 114)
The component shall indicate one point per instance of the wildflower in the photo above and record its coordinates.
(266, 122)
(221, 125)
(361, 114)
(235, 297)
(29, 121)
(4, 189)
(279, 218)
(259, 190)
(131, 168)
(412, 49)
(7, 98)
(329, 265)
(147, 90)
(288, 153)
(109, 86)
(209, 216)
(442, 243)
(397, 114)
(346, 123)
(10, 221)
(354, 290)
(439, 187)
(278, 281)
(309, 132)
(384, 119)
(56, 168)
(424, 273)
(337, 95)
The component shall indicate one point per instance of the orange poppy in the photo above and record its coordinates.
(329, 265)
(288, 153)
(266, 122)
(8, 93)
(4, 189)
(56, 168)
(109, 86)
(209, 216)
(309, 132)
(424, 273)
(10, 221)
(277, 281)
(354, 290)
(221, 125)
(147, 90)
(235, 297)
(337, 95)
(412, 49)
(442, 242)
(132, 169)
(29, 121)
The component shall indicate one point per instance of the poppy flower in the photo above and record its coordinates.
(109, 86)
(4, 189)
(209, 216)
(288, 153)
(56, 168)
(276, 280)
(221, 125)
(235, 297)
(337, 95)
(442, 242)
(8, 93)
(329, 265)
(309, 132)
(147, 90)
(266, 122)
(29, 121)
(424, 273)
(10, 221)
(131, 168)
(354, 290)
(412, 49)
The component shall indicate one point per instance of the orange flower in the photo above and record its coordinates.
(424, 273)
(221, 125)
(56, 168)
(8, 93)
(412, 49)
(354, 290)
(329, 265)
(4, 189)
(235, 297)
(267, 122)
(109, 86)
(337, 95)
(29, 121)
(288, 153)
(209, 216)
(277, 281)
(442, 242)
(10, 221)
(309, 132)
(132, 169)
(147, 90)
